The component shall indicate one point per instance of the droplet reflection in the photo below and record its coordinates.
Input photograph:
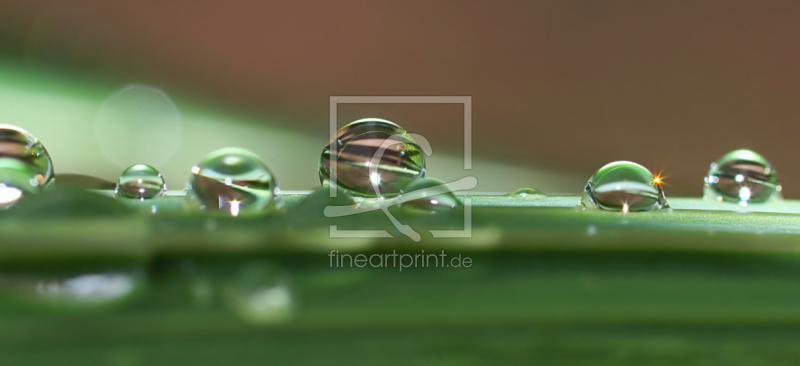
(260, 293)
(73, 289)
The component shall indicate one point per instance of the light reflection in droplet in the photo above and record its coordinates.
(9, 194)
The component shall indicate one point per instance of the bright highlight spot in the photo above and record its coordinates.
(375, 178)
(235, 207)
(744, 194)
(9, 194)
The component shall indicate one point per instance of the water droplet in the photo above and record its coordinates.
(74, 288)
(140, 182)
(624, 186)
(260, 293)
(373, 153)
(19, 144)
(16, 180)
(235, 181)
(429, 196)
(742, 176)
(529, 193)
(138, 123)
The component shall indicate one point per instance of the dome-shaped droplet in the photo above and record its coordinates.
(140, 182)
(428, 196)
(260, 293)
(373, 158)
(19, 144)
(16, 180)
(528, 193)
(624, 186)
(235, 181)
(742, 176)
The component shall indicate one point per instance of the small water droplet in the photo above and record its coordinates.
(260, 293)
(74, 289)
(429, 195)
(371, 153)
(19, 144)
(140, 182)
(529, 193)
(742, 176)
(235, 181)
(624, 186)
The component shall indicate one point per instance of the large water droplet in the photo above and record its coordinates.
(19, 144)
(742, 176)
(372, 153)
(528, 193)
(260, 293)
(73, 289)
(624, 186)
(235, 181)
(138, 123)
(140, 182)
(16, 180)
(429, 195)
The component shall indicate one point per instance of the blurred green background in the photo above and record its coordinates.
(559, 88)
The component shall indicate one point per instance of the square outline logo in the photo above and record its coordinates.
(466, 101)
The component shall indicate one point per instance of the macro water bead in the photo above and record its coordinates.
(19, 144)
(141, 182)
(742, 176)
(372, 158)
(528, 193)
(624, 186)
(429, 195)
(235, 181)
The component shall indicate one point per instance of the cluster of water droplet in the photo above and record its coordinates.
(740, 176)
(230, 180)
(367, 161)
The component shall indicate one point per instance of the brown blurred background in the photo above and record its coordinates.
(559, 86)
